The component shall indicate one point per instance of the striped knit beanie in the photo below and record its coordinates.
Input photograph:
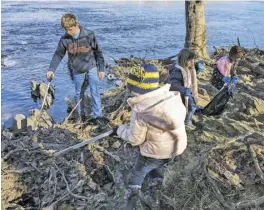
(143, 79)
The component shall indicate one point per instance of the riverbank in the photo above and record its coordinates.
(222, 167)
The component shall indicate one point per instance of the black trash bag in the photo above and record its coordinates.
(218, 104)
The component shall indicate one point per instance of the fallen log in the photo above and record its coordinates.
(253, 67)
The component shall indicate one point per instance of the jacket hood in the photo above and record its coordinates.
(161, 108)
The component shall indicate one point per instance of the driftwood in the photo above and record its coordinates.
(253, 67)
(256, 163)
(253, 92)
(254, 203)
(115, 157)
(216, 190)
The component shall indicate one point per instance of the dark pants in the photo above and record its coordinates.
(145, 165)
(216, 80)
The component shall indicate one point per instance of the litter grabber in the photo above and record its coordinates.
(88, 141)
(41, 110)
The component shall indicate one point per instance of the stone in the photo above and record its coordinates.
(118, 83)
(34, 85)
(7, 134)
(116, 145)
(92, 184)
(19, 123)
(31, 122)
(203, 92)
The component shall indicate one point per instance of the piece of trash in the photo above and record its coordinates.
(111, 77)
(118, 83)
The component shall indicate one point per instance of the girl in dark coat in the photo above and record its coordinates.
(183, 79)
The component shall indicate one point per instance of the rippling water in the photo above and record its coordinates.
(31, 30)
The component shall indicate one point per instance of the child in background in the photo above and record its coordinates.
(224, 70)
(183, 78)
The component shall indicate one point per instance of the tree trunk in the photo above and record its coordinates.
(195, 27)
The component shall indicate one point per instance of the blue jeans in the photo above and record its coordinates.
(81, 83)
(145, 165)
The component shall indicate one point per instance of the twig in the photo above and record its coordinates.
(255, 141)
(109, 172)
(66, 119)
(114, 113)
(67, 185)
(13, 151)
(21, 171)
(55, 188)
(238, 41)
(255, 160)
(218, 194)
(63, 196)
(252, 203)
(115, 157)
(169, 201)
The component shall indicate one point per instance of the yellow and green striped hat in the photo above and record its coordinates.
(143, 79)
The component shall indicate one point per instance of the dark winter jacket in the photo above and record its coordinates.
(83, 53)
(180, 80)
(176, 80)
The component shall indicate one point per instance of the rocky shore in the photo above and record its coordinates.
(222, 168)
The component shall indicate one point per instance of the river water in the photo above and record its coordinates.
(31, 30)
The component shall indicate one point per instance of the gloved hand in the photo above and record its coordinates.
(114, 131)
(226, 79)
(235, 80)
(50, 75)
(188, 92)
(199, 66)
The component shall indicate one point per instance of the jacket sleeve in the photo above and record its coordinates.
(136, 133)
(98, 54)
(176, 80)
(58, 56)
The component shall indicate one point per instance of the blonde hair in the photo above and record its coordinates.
(68, 20)
(184, 56)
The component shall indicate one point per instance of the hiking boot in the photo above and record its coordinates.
(83, 118)
(155, 182)
(101, 121)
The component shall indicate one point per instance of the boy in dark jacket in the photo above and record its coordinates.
(85, 61)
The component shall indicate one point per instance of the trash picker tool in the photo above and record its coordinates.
(41, 110)
(88, 141)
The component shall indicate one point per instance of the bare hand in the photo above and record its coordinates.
(50, 75)
(101, 75)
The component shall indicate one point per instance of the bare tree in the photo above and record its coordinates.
(195, 27)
